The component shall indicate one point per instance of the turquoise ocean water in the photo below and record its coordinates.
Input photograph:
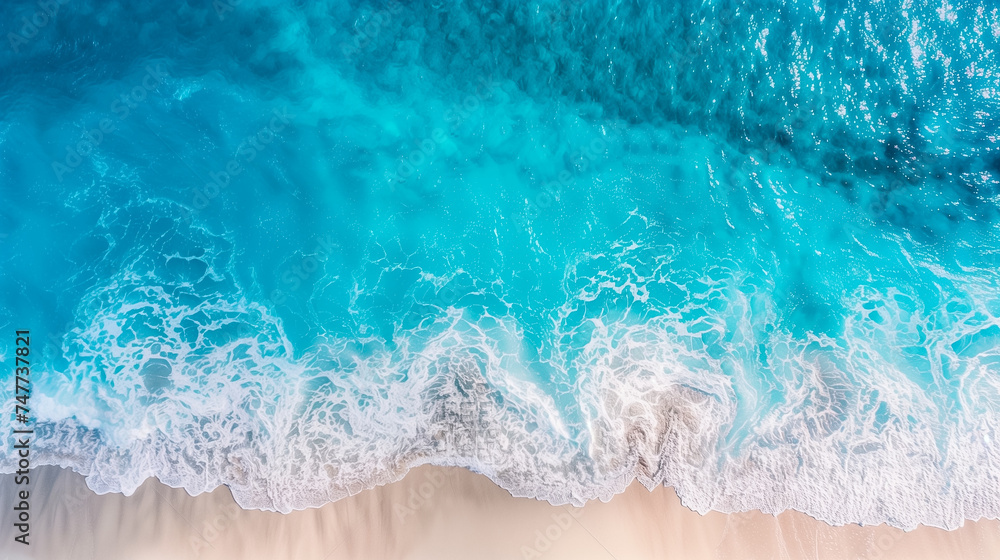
(296, 248)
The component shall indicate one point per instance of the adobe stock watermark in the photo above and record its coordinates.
(300, 272)
(545, 538)
(698, 46)
(67, 508)
(246, 152)
(419, 497)
(366, 32)
(31, 26)
(53, 344)
(213, 528)
(882, 544)
(52, 347)
(454, 116)
(554, 15)
(224, 7)
(443, 298)
(581, 160)
(123, 106)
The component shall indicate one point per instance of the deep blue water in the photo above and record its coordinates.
(746, 250)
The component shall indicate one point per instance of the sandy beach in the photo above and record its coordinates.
(444, 513)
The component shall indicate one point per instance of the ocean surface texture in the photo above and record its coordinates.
(748, 250)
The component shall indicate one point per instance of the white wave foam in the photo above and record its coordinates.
(692, 386)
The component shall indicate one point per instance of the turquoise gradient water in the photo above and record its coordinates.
(746, 250)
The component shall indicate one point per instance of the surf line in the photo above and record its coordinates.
(22, 391)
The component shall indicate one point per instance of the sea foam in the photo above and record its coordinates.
(746, 251)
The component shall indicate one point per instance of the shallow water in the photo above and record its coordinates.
(747, 251)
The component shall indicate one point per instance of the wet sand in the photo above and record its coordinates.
(442, 514)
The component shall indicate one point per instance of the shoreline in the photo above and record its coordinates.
(444, 513)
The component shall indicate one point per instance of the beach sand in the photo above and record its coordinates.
(442, 513)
